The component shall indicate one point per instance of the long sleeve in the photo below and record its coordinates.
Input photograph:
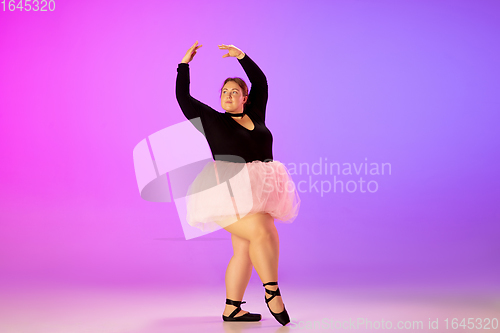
(259, 91)
(191, 107)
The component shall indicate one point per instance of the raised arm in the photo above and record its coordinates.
(191, 107)
(259, 91)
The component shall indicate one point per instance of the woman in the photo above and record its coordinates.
(240, 141)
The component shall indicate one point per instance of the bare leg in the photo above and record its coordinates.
(238, 273)
(260, 231)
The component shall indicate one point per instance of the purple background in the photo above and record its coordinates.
(410, 83)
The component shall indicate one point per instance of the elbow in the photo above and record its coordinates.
(264, 80)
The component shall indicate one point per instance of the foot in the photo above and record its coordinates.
(276, 305)
(230, 308)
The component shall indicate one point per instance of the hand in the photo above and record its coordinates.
(190, 53)
(233, 51)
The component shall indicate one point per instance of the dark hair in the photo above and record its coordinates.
(241, 83)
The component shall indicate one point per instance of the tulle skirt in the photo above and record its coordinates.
(224, 192)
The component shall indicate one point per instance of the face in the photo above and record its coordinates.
(232, 99)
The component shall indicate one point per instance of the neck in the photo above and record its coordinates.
(236, 114)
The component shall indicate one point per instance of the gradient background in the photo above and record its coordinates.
(411, 83)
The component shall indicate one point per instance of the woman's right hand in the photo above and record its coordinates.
(190, 53)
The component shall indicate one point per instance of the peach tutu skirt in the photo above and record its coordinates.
(224, 192)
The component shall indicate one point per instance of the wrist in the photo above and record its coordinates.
(241, 56)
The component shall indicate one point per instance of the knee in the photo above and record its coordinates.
(242, 258)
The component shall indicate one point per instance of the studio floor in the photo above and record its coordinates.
(49, 308)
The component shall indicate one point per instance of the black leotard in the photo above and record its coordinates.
(224, 135)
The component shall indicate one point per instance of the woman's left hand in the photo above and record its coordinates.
(233, 51)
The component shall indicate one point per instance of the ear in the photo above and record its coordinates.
(245, 99)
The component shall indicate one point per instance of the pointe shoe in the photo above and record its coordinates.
(246, 317)
(281, 317)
